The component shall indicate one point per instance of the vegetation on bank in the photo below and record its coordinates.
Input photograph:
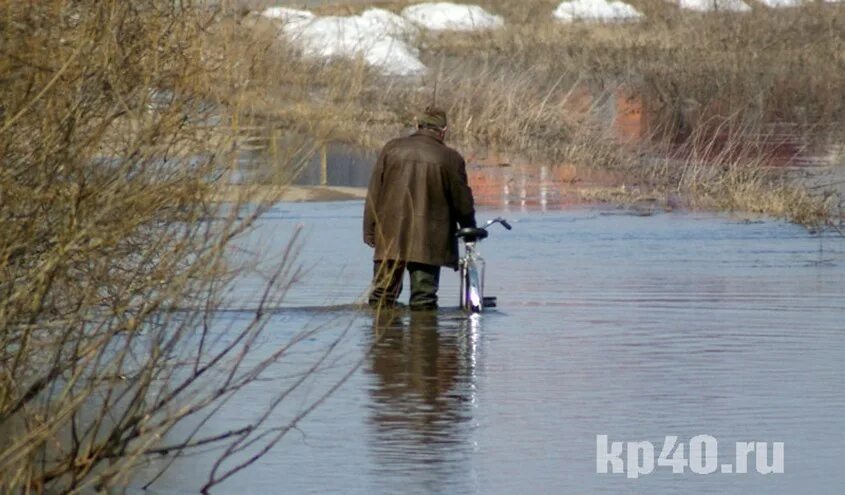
(114, 256)
(722, 93)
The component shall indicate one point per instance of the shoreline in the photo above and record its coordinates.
(532, 186)
(564, 197)
(287, 194)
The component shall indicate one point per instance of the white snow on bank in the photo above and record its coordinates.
(378, 36)
(715, 5)
(446, 16)
(596, 10)
(781, 3)
(288, 15)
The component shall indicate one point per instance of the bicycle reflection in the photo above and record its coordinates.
(423, 370)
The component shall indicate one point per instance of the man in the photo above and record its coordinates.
(418, 195)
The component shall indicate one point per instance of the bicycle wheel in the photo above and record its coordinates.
(473, 290)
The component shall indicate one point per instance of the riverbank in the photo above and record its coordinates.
(704, 121)
(489, 192)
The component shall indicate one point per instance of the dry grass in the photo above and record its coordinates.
(695, 70)
(492, 103)
(703, 79)
(739, 183)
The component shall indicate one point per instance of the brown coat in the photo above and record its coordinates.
(418, 195)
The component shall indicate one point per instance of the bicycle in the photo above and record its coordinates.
(471, 267)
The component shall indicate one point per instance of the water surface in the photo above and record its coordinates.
(634, 327)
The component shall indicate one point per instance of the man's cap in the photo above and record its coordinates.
(432, 117)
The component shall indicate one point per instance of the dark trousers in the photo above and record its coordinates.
(387, 284)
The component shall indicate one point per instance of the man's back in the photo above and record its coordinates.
(418, 194)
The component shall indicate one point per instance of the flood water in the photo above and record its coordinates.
(608, 324)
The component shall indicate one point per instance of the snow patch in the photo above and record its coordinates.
(287, 15)
(447, 16)
(378, 36)
(715, 5)
(390, 22)
(781, 3)
(596, 10)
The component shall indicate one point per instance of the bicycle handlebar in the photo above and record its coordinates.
(473, 234)
(500, 220)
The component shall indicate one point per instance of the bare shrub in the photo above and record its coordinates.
(118, 121)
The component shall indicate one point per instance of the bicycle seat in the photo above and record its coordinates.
(472, 234)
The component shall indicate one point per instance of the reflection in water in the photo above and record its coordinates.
(422, 396)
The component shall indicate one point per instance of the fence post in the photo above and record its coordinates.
(324, 166)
